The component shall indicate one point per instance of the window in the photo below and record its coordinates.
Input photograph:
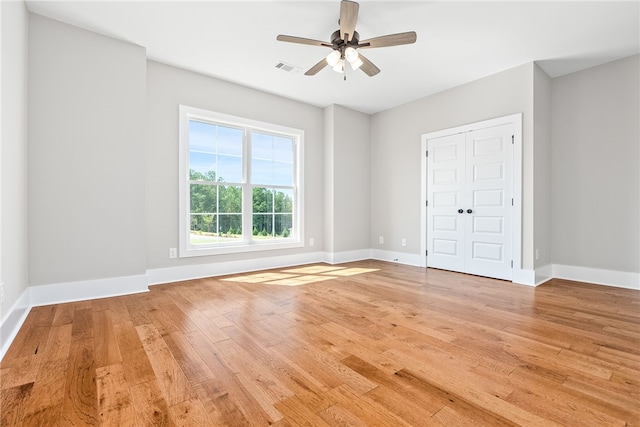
(240, 184)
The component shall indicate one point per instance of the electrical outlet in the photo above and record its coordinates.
(404, 242)
(312, 241)
(173, 253)
(381, 240)
(1, 292)
(537, 254)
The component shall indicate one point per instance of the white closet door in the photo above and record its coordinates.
(446, 196)
(469, 191)
(488, 193)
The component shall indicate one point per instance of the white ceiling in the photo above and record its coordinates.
(458, 42)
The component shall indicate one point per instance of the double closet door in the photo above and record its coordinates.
(470, 202)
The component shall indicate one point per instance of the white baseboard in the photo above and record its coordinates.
(347, 256)
(543, 274)
(523, 277)
(197, 271)
(620, 279)
(399, 257)
(13, 321)
(87, 290)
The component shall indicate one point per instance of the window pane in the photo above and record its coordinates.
(230, 228)
(262, 226)
(230, 141)
(203, 230)
(262, 200)
(283, 201)
(283, 149)
(262, 171)
(205, 141)
(261, 146)
(283, 225)
(282, 173)
(202, 166)
(204, 198)
(230, 200)
(202, 137)
(229, 168)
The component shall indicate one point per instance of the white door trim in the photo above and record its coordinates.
(516, 121)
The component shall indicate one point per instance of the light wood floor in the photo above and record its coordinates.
(367, 343)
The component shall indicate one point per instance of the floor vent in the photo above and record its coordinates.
(288, 67)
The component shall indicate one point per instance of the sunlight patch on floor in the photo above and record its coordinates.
(300, 276)
(260, 277)
(314, 269)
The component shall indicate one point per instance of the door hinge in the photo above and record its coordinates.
(512, 201)
(426, 203)
(511, 263)
(426, 253)
(427, 153)
(513, 139)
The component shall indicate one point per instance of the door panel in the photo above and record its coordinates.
(445, 183)
(488, 191)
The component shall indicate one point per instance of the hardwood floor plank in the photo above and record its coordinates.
(362, 343)
(149, 406)
(190, 413)
(137, 368)
(82, 323)
(223, 410)
(49, 388)
(13, 402)
(106, 351)
(80, 405)
(171, 379)
(190, 362)
(295, 409)
(115, 406)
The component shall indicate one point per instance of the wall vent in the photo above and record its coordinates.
(288, 67)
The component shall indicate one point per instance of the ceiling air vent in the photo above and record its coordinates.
(288, 67)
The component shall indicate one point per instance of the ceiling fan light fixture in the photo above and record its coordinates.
(333, 58)
(350, 54)
(339, 67)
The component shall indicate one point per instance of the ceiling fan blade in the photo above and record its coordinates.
(348, 19)
(368, 67)
(314, 70)
(302, 40)
(389, 40)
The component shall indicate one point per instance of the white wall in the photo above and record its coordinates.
(87, 119)
(596, 167)
(396, 156)
(13, 154)
(542, 172)
(347, 187)
(167, 88)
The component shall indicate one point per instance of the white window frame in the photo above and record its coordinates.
(296, 240)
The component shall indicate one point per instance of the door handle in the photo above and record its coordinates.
(460, 211)
(469, 211)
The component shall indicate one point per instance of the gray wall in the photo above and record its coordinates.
(13, 244)
(168, 87)
(347, 171)
(542, 166)
(86, 155)
(396, 156)
(595, 167)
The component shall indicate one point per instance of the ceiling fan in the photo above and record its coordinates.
(345, 42)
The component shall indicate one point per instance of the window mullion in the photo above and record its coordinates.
(247, 192)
